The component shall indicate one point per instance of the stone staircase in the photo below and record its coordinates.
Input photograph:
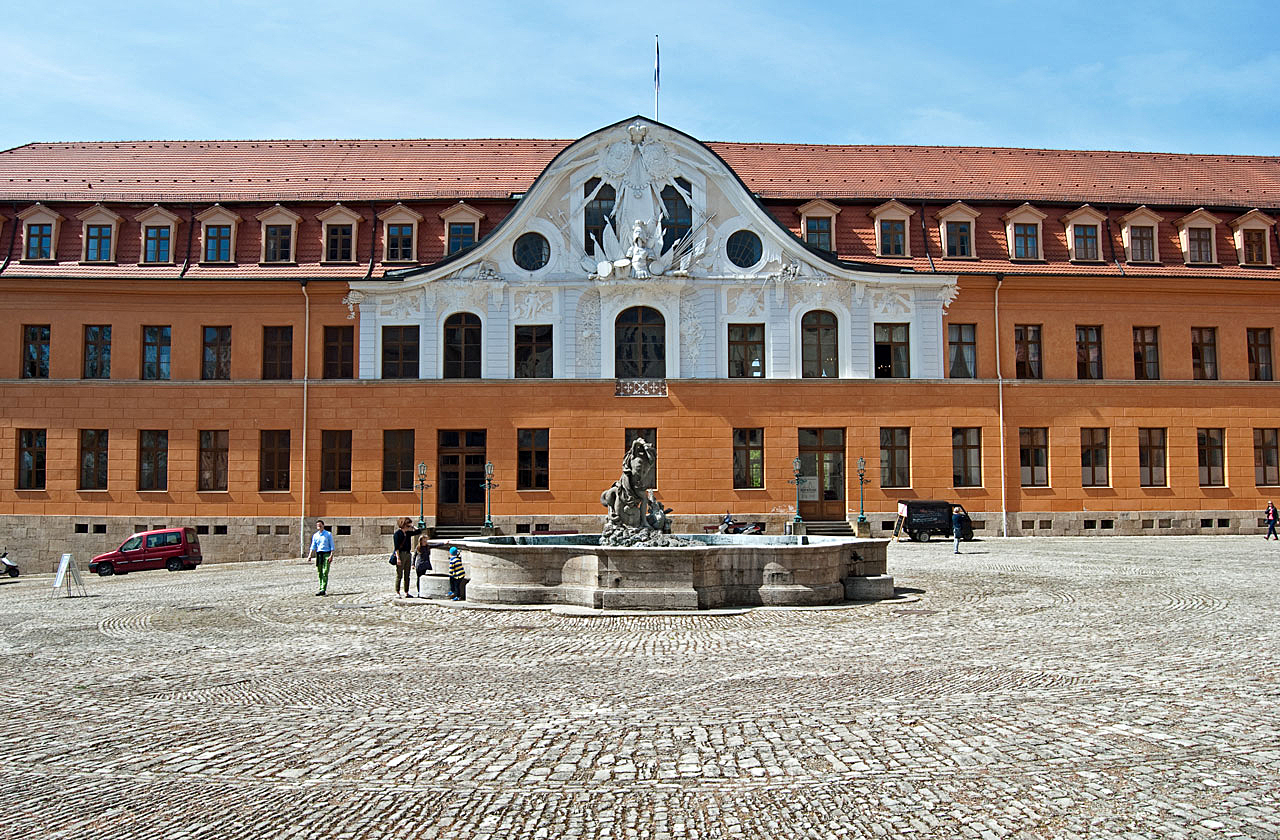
(457, 532)
(835, 528)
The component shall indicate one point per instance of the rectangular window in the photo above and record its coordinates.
(155, 352)
(1204, 352)
(1255, 247)
(1152, 457)
(893, 351)
(748, 459)
(746, 351)
(1146, 353)
(1259, 342)
(461, 235)
(97, 351)
(217, 243)
(1026, 342)
(1094, 456)
(817, 231)
(1200, 245)
(533, 353)
(400, 352)
(1209, 443)
(532, 455)
(277, 352)
(279, 244)
(1088, 352)
(156, 244)
(35, 351)
(335, 459)
(895, 457)
(215, 358)
(213, 460)
(31, 455)
(93, 459)
(966, 457)
(1142, 243)
(1266, 457)
(397, 459)
(153, 459)
(399, 243)
(273, 459)
(1033, 449)
(959, 239)
(893, 238)
(962, 351)
(340, 352)
(1026, 242)
(97, 243)
(39, 242)
(337, 243)
(1086, 242)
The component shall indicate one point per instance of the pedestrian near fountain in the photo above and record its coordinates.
(402, 542)
(456, 574)
(957, 527)
(422, 561)
(322, 550)
(1272, 518)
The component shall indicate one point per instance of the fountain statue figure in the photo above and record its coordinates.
(635, 516)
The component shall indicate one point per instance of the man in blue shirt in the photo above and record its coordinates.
(322, 548)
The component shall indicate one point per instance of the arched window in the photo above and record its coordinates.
(462, 346)
(677, 218)
(597, 212)
(640, 344)
(819, 345)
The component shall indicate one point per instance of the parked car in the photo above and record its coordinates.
(922, 518)
(168, 548)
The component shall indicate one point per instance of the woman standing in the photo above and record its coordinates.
(1271, 517)
(402, 541)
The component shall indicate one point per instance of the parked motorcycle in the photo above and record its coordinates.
(729, 526)
(8, 566)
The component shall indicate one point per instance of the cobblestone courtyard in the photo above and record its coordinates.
(1107, 687)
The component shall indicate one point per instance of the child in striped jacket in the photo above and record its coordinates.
(456, 574)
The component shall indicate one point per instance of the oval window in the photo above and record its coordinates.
(531, 251)
(744, 249)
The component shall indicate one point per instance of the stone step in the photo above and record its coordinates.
(836, 528)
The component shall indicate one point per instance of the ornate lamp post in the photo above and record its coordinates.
(862, 481)
(797, 481)
(488, 491)
(422, 490)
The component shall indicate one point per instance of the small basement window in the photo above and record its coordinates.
(344, 530)
(1090, 524)
(1206, 523)
(202, 529)
(1224, 523)
(82, 527)
(282, 530)
(219, 529)
(1046, 524)
(99, 528)
(264, 529)
(1166, 523)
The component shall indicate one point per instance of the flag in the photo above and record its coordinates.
(657, 62)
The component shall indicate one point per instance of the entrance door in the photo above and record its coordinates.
(460, 499)
(822, 468)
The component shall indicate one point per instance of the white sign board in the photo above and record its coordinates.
(68, 573)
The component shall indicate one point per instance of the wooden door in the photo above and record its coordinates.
(460, 498)
(822, 496)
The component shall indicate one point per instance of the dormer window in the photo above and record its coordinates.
(891, 220)
(218, 234)
(338, 227)
(1022, 229)
(1084, 234)
(818, 223)
(159, 230)
(1197, 233)
(400, 234)
(279, 233)
(956, 225)
(98, 239)
(1139, 230)
(39, 233)
(1251, 233)
(677, 215)
(461, 227)
(597, 212)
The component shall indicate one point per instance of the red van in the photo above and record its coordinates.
(168, 548)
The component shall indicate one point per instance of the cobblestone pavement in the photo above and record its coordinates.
(1106, 687)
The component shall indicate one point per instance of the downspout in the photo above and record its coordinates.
(924, 231)
(1110, 242)
(306, 381)
(191, 223)
(13, 232)
(1004, 478)
(373, 237)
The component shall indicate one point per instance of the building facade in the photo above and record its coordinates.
(244, 336)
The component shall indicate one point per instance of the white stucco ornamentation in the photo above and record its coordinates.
(527, 304)
(589, 334)
(352, 300)
(690, 332)
(745, 303)
(891, 301)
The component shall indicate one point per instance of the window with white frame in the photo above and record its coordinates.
(1197, 234)
(956, 225)
(400, 234)
(1085, 227)
(818, 223)
(892, 222)
(1252, 235)
(1023, 231)
(461, 227)
(40, 227)
(339, 227)
(99, 227)
(1140, 231)
(218, 227)
(158, 229)
(279, 234)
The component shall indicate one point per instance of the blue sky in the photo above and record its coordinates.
(1168, 76)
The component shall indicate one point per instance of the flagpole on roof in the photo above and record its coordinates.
(657, 68)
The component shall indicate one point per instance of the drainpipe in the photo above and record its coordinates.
(13, 232)
(1004, 478)
(924, 230)
(306, 381)
(191, 223)
(1111, 245)
(373, 237)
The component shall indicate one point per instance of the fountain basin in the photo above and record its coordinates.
(717, 570)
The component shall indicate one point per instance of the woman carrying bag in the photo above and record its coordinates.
(402, 542)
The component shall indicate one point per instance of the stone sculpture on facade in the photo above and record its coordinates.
(636, 518)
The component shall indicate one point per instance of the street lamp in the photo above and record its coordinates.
(862, 480)
(797, 481)
(488, 492)
(422, 489)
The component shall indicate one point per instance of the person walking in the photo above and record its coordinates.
(1272, 518)
(402, 542)
(422, 561)
(957, 527)
(456, 574)
(322, 549)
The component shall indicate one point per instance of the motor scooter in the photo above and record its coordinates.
(728, 526)
(8, 566)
